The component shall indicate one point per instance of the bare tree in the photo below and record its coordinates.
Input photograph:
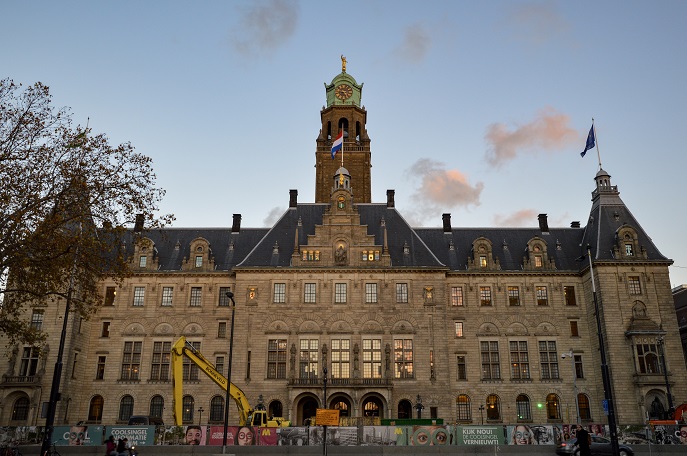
(66, 199)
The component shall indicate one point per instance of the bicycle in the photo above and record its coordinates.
(52, 451)
(10, 450)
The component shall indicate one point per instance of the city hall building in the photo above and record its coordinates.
(471, 325)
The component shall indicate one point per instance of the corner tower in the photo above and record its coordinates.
(343, 113)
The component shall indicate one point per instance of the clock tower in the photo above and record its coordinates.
(343, 113)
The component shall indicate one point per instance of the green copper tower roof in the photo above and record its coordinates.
(343, 90)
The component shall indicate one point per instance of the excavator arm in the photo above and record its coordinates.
(184, 348)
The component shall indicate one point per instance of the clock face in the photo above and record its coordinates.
(343, 92)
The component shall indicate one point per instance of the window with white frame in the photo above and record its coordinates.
(139, 296)
(491, 364)
(308, 364)
(341, 358)
(402, 292)
(279, 293)
(519, 360)
(372, 358)
(310, 292)
(196, 296)
(403, 358)
(340, 293)
(548, 358)
(370, 293)
(456, 296)
(167, 294)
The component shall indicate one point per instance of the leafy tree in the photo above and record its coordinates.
(66, 199)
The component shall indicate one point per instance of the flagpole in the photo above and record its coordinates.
(596, 139)
(343, 140)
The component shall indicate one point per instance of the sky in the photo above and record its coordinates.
(475, 108)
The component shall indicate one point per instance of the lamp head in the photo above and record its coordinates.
(230, 295)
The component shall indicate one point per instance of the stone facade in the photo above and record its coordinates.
(472, 321)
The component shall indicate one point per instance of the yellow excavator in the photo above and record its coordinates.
(247, 416)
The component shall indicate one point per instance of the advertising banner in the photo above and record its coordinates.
(137, 435)
(78, 435)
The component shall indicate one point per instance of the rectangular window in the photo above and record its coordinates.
(219, 364)
(142, 261)
(222, 329)
(403, 358)
(519, 360)
(484, 296)
(462, 370)
(159, 367)
(223, 298)
(167, 294)
(491, 365)
(199, 261)
(279, 293)
(190, 369)
(276, 358)
(513, 296)
(628, 250)
(648, 359)
(372, 358)
(196, 296)
(574, 332)
(579, 371)
(131, 360)
(309, 293)
(569, 294)
(542, 296)
(37, 320)
(370, 293)
(341, 358)
(459, 328)
(139, 295)
(106, 329)
(634, 285)
(548, 356)
(29, 361)
(340, 293)
(308, 359)
(100, 368)
(402, 292)
(456, 296)
(110, 293)
(538, 261)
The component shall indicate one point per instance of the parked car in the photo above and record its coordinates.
(600, 446)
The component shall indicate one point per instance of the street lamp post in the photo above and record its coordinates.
(605, 375)
(230, 295)
(419, 406)
(481, 413)
(660, 340)
(200, 415)
(571, 355)
(324, 405)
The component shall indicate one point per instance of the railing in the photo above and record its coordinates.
(19, 379)
(350, 382)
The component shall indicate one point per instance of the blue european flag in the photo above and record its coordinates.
(590, 141)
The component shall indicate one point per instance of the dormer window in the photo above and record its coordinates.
(538, 261)
(482, 261)
(628, 250)
(199, 261)
(311, 255)
(142, 261)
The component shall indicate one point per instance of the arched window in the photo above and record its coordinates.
(522, 405)
(553, 409)
(371, 407)
(95, 409)
(405, 409)
(275, 408)
(20, 411)
(157, 405)
(126, 408)
(583, 404)
(217, 409)
(493, 408)
(342, 407)
(187, 405)
(463, 408)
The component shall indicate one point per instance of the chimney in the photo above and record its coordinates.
(447, 222)
(543, 223)
(293, 198)
(390, 198)
(236, 225)
(575, 224)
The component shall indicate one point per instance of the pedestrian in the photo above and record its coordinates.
(584, 441)
(110, 447)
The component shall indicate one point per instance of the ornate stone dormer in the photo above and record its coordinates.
(201, 258)
(627, 244)
(537, 257)
(482, 256)
(145, 255)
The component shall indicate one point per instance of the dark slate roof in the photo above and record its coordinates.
(170, 258)
(508, 245)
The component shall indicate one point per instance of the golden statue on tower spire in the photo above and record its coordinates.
(343, 63)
